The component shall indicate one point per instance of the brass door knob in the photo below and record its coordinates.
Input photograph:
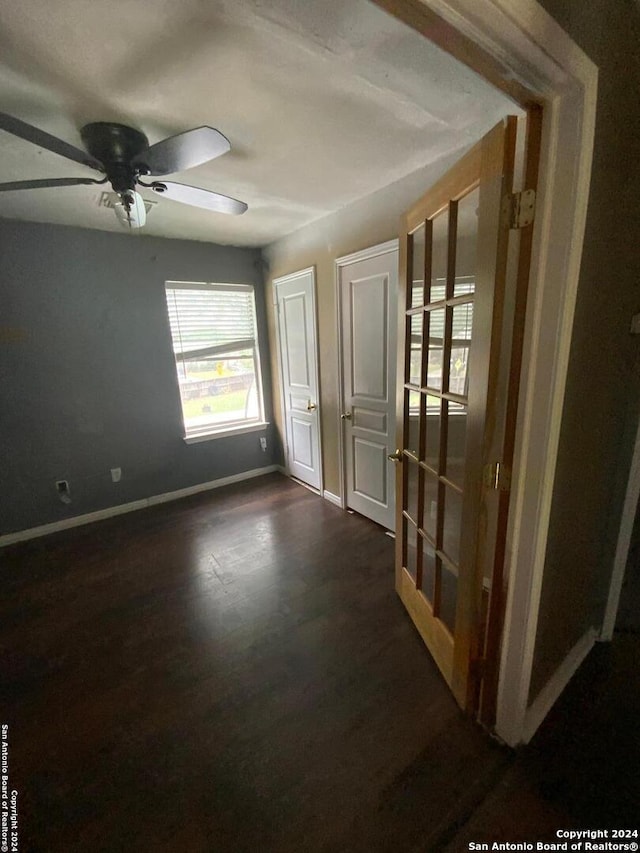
(346, 416)
(311, 406)
(395, 457)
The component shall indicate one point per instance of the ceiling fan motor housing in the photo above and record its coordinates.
(116, 145)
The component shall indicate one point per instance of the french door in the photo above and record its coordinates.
(453, 265)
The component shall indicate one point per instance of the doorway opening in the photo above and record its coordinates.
(526, 55)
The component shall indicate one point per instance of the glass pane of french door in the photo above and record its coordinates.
(439, 336)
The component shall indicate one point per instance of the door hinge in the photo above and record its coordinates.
(497, 476)
(520, 208)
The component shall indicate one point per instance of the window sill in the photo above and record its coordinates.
(225, 433)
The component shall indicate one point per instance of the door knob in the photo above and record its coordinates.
(395, 457)
(311, 406)
(346, 416)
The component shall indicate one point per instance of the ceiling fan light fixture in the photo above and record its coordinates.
(130, 211)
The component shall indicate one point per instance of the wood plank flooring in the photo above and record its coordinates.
(231, 672)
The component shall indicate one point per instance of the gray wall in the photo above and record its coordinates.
(87, 376)
(603, 391)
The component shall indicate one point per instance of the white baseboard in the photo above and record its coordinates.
(333, 499)
(120, 509)
(550, 693)
(282, 470)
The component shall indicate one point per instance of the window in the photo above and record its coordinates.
(215, 342)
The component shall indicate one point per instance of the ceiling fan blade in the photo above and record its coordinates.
(197, 197)
(47, 182)
(183, 151)
(45, 140)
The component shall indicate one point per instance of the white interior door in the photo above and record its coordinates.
(296, 310)
(368, 287)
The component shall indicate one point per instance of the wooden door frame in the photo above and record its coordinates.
(519, 48)
(285, 279)
(344, 261)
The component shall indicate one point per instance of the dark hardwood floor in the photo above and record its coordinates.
(234, 672)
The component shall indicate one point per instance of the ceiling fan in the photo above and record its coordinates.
(123, 154)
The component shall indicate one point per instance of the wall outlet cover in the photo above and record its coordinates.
(116, 474)
(62, 488)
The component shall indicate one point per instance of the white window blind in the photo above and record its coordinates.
(206, 320)
(215, 343)
(461, 326)
(461, 334)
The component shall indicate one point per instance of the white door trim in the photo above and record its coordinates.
(625, 532)
(548, 696)
(285, 279)
(345, 260)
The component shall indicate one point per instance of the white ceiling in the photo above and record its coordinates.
(324, 102)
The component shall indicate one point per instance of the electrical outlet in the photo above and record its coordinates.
(263, 443)
(62, 488)
(116, 474)
(635, 325)
(433, 512)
